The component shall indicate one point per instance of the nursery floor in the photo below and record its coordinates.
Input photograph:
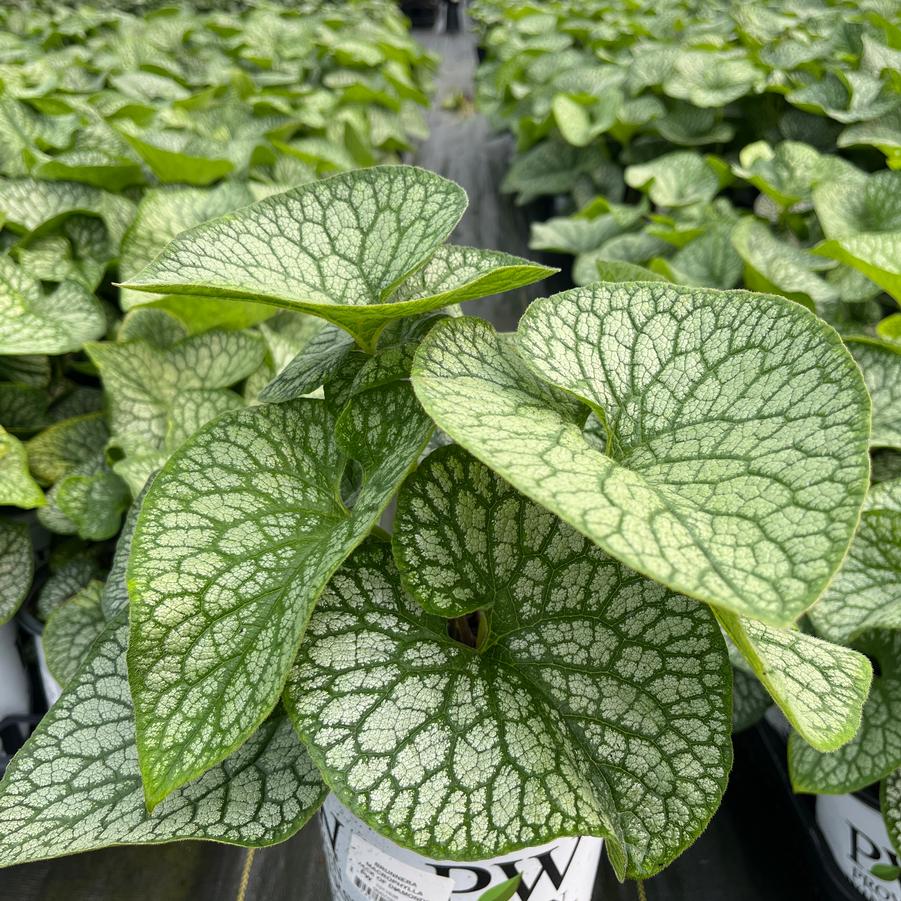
(750, 852)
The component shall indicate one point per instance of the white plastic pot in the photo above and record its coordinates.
(856, 835)
(365, 866)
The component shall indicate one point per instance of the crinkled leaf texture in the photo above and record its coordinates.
(736, 432)
(866, 592)
(75, 784)
(598, 704)
(875, 751)
(340, 248)
(71, 630)
(16, 567)
(891, 807)
(820, 687)
(237, 537)
(881, 365)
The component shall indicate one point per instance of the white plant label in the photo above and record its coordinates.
(384, 878)
(366, 866)
(856, 835)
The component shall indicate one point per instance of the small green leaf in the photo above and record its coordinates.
(621, 271)
(57, 450)
(71, 630)
(861, 218)
(572, 120)
(709, 261)
(865, 592)
(321, 357)
(675, 179)
(709, 79)
(820, 687)
(33, 321)
(16, 567)
(881, 365)
(886, 872)
(717, 478)
(64, 581)
(91, 795)
(503, 892)
(236, 539)
(875, 751)
(89, 501)
(17, 487)
(777, 266)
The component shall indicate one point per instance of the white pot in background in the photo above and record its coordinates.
(14, 694)
(857, 838)
(52, 688)
(365, 866)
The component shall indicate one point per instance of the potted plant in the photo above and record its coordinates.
(536, 652)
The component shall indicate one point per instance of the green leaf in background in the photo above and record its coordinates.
(17, 487)
(543, 731)
(891, 807)
(236, 539)
(820, 687)
(91, 795)
(861, 219)
(156, 392)
(865, 593)
(881, 365)
(71, 630)
(340, 248)
(875, 751)
(88, 500)
(65, 580)
(30, 206)
(552, 167)
(163, 214)
(710, 79)
(57, 450)
(750, 700)
(717, 478)
(790, 171)
(180, 157)
(675, 179)
(774, 265)
(573, 120)
(33, 321)
(621, 271)
(884, 133)
(710, 261)
(16, 567)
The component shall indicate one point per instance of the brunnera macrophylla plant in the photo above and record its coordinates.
(590, 512)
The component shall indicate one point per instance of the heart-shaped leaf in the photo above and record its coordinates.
(861, 218)
(16, 567)
(339, 248)
(733, 461)
(236, 539)
(875, 751)
(33, 321)
(675, 179)
(555, 724)
(75, 784)
(866, 591)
